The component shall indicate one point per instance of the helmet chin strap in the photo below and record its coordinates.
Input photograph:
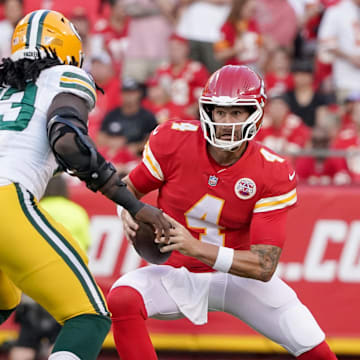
(230, 148)
(234, 149)
(223, 143)
(248, 130)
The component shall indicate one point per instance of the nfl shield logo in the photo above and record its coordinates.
(213, 180)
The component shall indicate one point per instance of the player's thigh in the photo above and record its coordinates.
(273, 309)
(10, 295)
(147, 281)
(43, 259)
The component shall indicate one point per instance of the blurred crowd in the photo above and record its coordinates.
(152, 58)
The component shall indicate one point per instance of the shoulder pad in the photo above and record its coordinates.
(170, 135)
(175, 127)
(71, 79)
(278, 174)
(164, 142)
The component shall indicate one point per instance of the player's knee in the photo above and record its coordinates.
(126, 302)
(302, 330)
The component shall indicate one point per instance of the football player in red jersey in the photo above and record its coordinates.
(183, 77)
(348, 139)
(227, 197)
(283, 131)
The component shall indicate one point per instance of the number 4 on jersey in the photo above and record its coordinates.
(205, 215)
(270, 156)
(184, 127)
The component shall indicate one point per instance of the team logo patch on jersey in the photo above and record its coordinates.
(245, 188)
(213, 180)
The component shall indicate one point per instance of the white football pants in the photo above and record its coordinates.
(271, 308)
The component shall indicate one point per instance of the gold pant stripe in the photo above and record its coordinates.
(63, 248)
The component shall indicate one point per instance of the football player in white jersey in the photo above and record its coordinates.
(45, 98)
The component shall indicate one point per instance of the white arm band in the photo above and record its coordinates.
(224, 259)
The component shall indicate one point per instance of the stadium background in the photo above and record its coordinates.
(321, 261)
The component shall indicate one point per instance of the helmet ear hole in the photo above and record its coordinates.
(252, 109)
(248, 130)
(209, 109)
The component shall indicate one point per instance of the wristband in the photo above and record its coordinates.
(128, 200)
(117, 191)
(224, 259)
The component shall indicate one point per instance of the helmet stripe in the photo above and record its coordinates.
(35, 28)
(28, 30)
(41, 23)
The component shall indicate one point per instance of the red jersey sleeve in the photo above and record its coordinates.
(228, 36)
(278, 188)
(278, 194)
(201, 76)
(269, 228)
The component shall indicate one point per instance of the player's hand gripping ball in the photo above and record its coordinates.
(145, 246)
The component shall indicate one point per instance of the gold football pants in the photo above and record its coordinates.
(41, 258)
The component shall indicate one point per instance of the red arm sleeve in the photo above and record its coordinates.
(269, 228)
(143, 181)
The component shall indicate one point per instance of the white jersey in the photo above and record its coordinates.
(201, 21)
(340, 29)
(25, 154)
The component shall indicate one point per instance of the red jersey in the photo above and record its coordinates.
(311, 26)
(120, 157)
(276, 85)
(220, 205)
(105, 103)
(114, 42)
(168, 111)
(291, 136)
(245, 32)
(349, 139)
(186, 85)
(326, 172)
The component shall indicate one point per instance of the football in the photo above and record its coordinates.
(145, 246)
